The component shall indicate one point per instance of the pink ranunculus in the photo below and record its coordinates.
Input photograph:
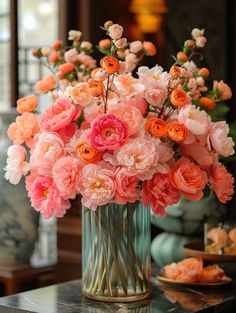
(196, 121)
(22, 130)
(108, 132)
(156, 96)
(222, 183)
(45, 197)
(129, 114)
(159, 193)
(219, 140)
(139, 103)
(16, 165)
(189, 179)
(127, 189)
(66, 174)
(139, 157)
(200, 154)
(57, 116)
(71, 55)
(47, 149)
(97, 185)
(223, 88)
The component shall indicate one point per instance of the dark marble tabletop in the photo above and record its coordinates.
(66, 297)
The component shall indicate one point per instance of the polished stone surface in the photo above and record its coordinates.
(66, 297)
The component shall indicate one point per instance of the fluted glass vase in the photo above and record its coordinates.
(115, 250)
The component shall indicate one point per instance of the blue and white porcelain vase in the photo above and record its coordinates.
(18, 221)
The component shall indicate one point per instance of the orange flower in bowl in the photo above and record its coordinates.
(218, 236)
(156, 127)
(211, 274)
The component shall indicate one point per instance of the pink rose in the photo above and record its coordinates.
(48, 148)
(156, 96)
(129, 114)
(136, 46)
(66, 174)
(219, 139)
(159, 193)
(45, 197)
(16, 165)
(115, 31)
(189, 179)
(108, 132)
(127, 189)
(139, 157)
(222, 183)
(25, 126)
(195, 120)
(223, 88)
(139, 103)
(201, 41)
(60, 114)
(197, 33)
(97, 185)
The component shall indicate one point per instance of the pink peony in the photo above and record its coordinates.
(218, 136)
(222, 183)
(23, 128)
(127, 85)
(108, 132)
(48, 148)
(139, 157)
(66, 174)
(129, 114)
(189, 179)
(97, 185)
(45, 197)
(159, 193)
(195, 120)
(60, 114)
(16, 164)
(153, 77)
(127, 189)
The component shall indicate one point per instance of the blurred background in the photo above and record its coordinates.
(26, 24)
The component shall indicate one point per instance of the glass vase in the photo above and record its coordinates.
(116, 253)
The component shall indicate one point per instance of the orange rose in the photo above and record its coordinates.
(46, 84)
(27, 104)
(179, 97)
(150, 48)
(87, 153)
(96, 87)
(175, 71)
(176, 131)
(156, 127)
(110, 64)
(207, 103)
(66, 68)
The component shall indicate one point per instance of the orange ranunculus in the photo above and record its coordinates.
(57, 44)
(54, 57)
(46, 84)
(176, 131)
(27, 104)
(87, 153)
(150, 48)
(179, 97)
(204, 72)
(96, 87)
(66, 68)
(207, 103)
(182, 56)
(110, 64)
(175, 71)
(104, 43)
(156, 127)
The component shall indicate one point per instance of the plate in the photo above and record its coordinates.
(224, 281)
(196, 249)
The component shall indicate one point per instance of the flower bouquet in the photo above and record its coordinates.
(121, 142)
